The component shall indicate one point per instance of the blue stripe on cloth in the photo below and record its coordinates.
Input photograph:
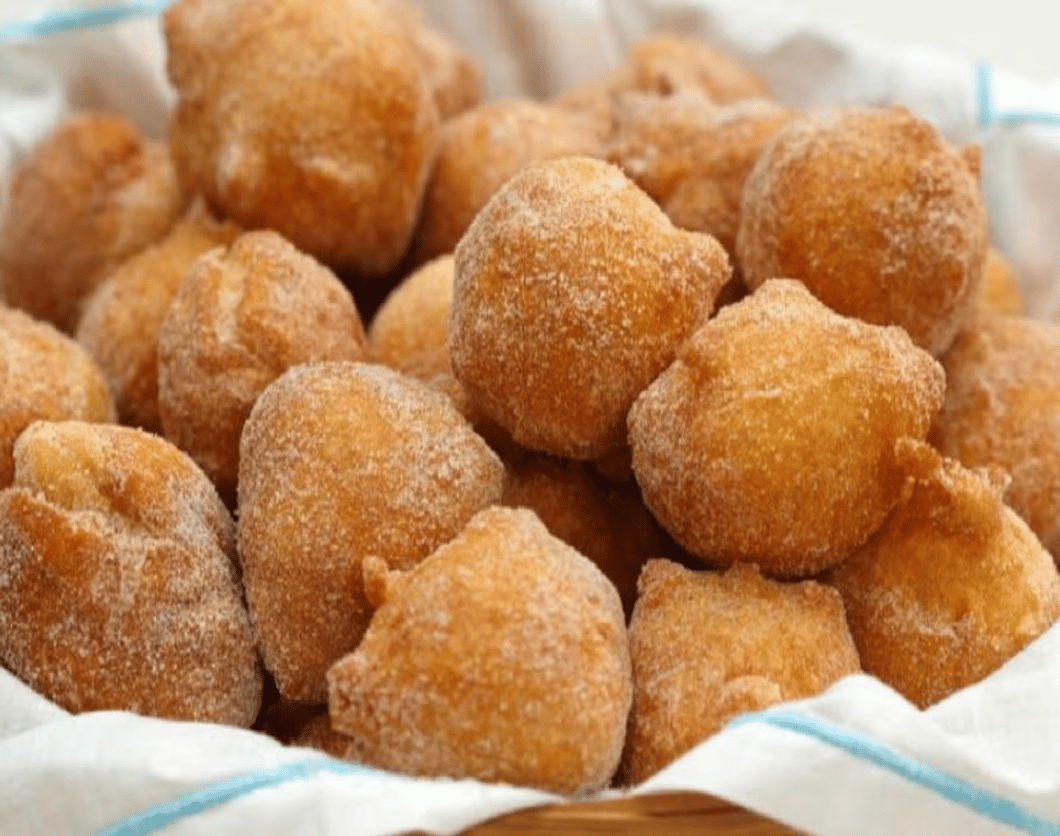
(861, 746)
(64, 20)
(989, 117)
(229, 789)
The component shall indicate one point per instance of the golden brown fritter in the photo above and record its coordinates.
(44, 375)
(338, 462)
(482, 149)
(119, 587)
(707, 646)
(239, 319)
(313, 118)
(502, 657)
(876, 213)
(613, 529)
(572, 292)
(122, 317)
(770, 439)
(89, 196)
(1002, 408)
(692, 156)
(951, 586)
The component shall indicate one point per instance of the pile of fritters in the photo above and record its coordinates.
(528, 441)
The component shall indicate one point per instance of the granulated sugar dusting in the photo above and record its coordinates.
(572, 292)
(771, 438)
(338, 462)
(502, 656)
(118, 588)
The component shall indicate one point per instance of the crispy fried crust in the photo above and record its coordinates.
(503, 657)
(118, 582)
(771, 438)
(876, 213)
(338, 462)
(572, 292)
(1002, 408)
(951, 587)
(239, 319)
(313, 118)
(91, 195)
(44, 375)
(708, 646)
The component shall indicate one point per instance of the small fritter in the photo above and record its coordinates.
(339, 462)
(482, 149)
(89, 196)
(239, 319)
(46, 376)
(708, 646)
(313, 118)
(952, 585)
(770, 439)
(1000, 291)
(502, 656)
(1002, 409)
(876, 213)
(572, 292)
(118, 580)
(122, 317)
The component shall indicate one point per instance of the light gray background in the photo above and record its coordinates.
(1022, 36)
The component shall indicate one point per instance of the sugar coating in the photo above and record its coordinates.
(667, 64)
(771, 438)
(118, 582)
(693, 156)
(952, 585)
(572, 292)
(501, 657)
(240, 317)
(410, 330)
(707, 646)
(610, 527)
(339, 462)
(480, 150)
(89, 196)
(876, 213)
(333, 152)
(1002, 408)
(44, 375)
(122, 317)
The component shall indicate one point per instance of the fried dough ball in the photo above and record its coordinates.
(572, 292)
(340, 461)
(876, 213)
(502, 657)
(613, 529)
(88, 197)
(785, 456)
(122, 317)
(1002, 408)
(312, 118)
(455, 78)
(707, 646)
(692, 156)
(410, 330)
(1000, 291)
(951, 586)
(44, 375)
(119, 587)
(665, 65)
(482, 149)
(239, 319)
